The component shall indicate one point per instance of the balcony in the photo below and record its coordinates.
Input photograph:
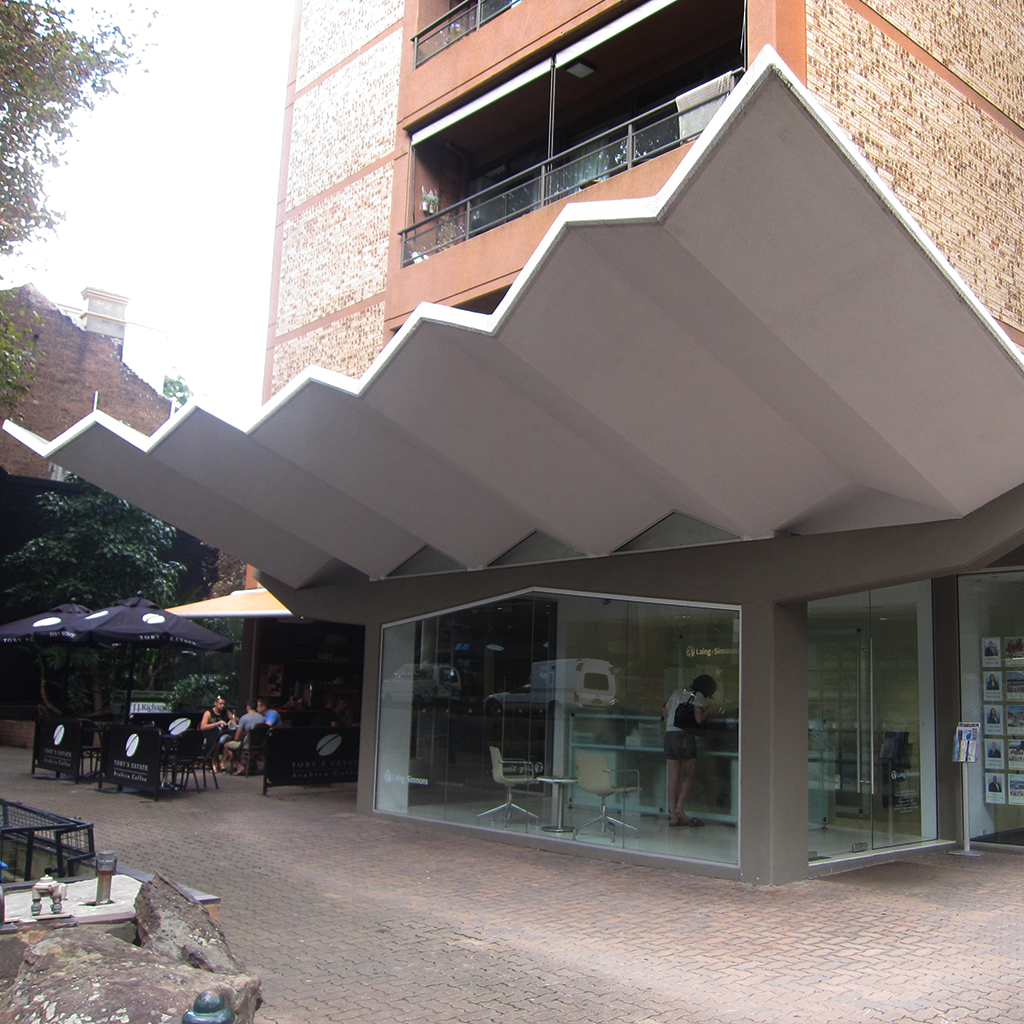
(458, 22)
(600, 157)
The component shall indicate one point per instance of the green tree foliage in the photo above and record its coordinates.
(51, 69)
(16, 354)
(97, 550)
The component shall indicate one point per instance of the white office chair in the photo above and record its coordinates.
(594, 776)
(521, 774)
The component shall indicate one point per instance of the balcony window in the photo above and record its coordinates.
(597, 158)
(456, 24)
(598, 107)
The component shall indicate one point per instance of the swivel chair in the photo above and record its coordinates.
(522, 775)
(594, 776)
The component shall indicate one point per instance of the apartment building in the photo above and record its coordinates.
(615, 344)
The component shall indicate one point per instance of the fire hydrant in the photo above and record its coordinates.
(56, 891)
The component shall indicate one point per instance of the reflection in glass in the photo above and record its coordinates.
(871, 721)
(523, 686)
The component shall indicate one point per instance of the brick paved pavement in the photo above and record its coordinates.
(360, 920)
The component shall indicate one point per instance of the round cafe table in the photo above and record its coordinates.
(558, 787)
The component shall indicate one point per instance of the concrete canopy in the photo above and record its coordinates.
(769, 344)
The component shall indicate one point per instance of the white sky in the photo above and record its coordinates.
(169, 193)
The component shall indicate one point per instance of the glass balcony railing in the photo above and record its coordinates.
(458, 22)
(596, 159)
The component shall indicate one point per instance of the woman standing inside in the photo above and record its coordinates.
(684, 713)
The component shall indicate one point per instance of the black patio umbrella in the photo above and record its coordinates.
(57, 626)
(136, 622)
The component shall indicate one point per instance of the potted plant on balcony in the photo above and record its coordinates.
(428, 202)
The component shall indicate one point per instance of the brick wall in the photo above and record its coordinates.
(335, 239)
(334, 29)
(334, 252)
(17, 734)
(980, 41)
(349, 346)
(956, 168)
(71, 366)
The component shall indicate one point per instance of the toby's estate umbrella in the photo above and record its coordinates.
(137, 622)
(58, 626)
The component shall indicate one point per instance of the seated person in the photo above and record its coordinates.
(325, 718)
(343, 714)
(270, 716)
(229, 755)
(219, 719)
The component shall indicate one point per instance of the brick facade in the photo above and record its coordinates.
(334, 252)
(71, 367)
(931, 94)
(335, 236)
(981, 42)
(349, 346)
(958, 170)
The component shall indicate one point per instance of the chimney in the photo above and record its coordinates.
(104, 313)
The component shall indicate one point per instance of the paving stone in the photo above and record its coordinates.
(375, 921)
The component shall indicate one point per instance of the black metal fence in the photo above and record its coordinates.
(32, 841)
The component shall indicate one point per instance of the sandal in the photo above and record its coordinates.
(693, 822)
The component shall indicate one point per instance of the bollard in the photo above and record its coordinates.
(209, 1008)
(106, 866)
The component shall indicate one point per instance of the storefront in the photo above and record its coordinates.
(543, 678)
(991, 611)
(753, 426)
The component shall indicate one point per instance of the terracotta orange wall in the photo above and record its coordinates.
(507, 43)
(781, 24)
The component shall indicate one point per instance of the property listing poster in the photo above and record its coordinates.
(1002, 718)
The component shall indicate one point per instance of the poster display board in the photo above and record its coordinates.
(305, 757)
(131, 758)
(58, 746)
(1002, 718)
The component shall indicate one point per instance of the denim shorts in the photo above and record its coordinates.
(680, 746)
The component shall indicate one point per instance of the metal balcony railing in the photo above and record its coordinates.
(602, 156)
(458, 22)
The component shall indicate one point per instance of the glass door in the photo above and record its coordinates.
(871, 744)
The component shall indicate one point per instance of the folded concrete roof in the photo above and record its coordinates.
(769, 344)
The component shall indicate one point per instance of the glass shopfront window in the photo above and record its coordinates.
(541, 713)
(992, 693)
(871, 721)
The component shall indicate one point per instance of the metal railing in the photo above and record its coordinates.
(458, 22)
(596, 159)
(25, 833)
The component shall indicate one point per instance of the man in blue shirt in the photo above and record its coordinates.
(270, 716)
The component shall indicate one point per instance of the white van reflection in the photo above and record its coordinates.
(582, 681)
(429, 684)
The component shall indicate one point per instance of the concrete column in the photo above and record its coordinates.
(368, 718)
(946, 638)
(773, 743)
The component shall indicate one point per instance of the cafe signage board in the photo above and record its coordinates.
(306, 757)
(58, 746)
(131, 758)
